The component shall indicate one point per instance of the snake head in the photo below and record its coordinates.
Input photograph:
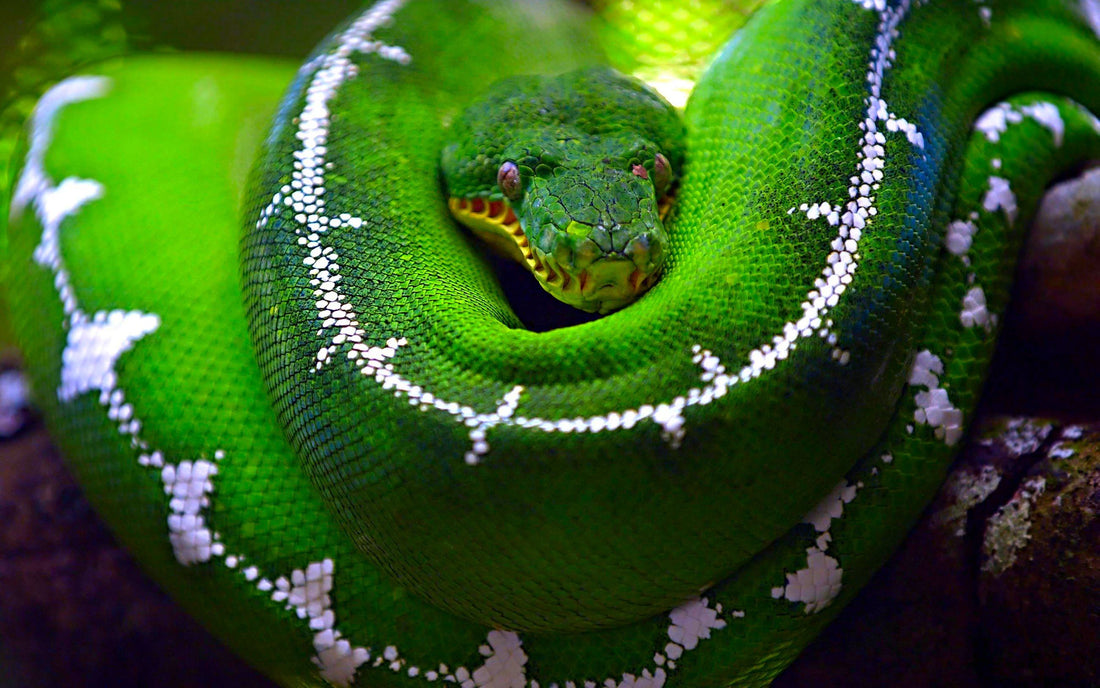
(570, 176)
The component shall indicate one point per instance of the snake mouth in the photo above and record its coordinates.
(604, 286)
(495, 223)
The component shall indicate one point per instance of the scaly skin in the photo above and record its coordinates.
(458, 498)
(592, 155)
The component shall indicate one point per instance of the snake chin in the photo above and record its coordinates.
(606, 285)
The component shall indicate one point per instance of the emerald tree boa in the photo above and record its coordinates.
(332, 439)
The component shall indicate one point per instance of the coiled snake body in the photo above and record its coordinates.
(372, 474)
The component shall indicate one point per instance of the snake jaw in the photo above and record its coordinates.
(607, 284)
(586, 278)
(495, 223)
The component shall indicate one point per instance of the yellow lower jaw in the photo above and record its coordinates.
(607, 285)
(495, 224)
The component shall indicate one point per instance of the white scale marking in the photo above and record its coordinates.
(996, 120)
(95, 343)
(960, 236)
(819, 582)
(975, 312)
(993, 124)
(1091, 10)
(94, 346)
(337, 659)
(986, 13)
(851, 217)
(934, 407)
(15, 400)
(1000, 197)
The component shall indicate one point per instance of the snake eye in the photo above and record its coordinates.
(662, 174)
(509, 182)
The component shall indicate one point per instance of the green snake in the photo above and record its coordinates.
(332, 439)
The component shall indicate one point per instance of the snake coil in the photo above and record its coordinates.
(372, 474)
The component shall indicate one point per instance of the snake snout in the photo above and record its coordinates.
(604, 268)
